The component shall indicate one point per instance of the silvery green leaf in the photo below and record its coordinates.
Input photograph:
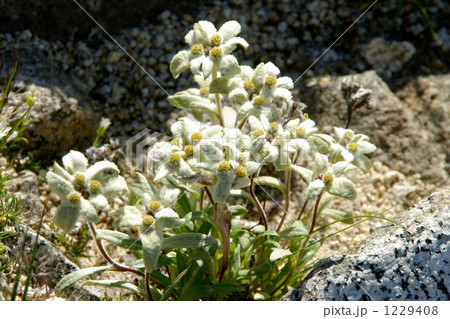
(339, 168)
(296, 229)
(238, 96)
(219, 85)
(67, 215)
(167, 218)
(102, 171)
(259, 76)
(99, 202)
(136, 189)
(243, 194)
(335, 152)
(271, 181)
(117, 284)
(221, 189)
(343, 187)
(145, 185)
(114, 186)
(179, 63)
(229, 66)
(119, 239)
(152, 240)
(261, 296)
(187, 240)
(75, 162)
(252, 167)
(245, 110)
(192, 102)
(229, 117)
(88, 211)
(241, 182)
(285, 82)
(278, 253)
(162, 172)
(237, 210)
(230, 45)
(207, 67)
(69, 280)
(59, 185)
(131, 216)
(168, 195)
(62, 172)
(320, 163)
(196, 63)
(320, 145)
(314, 189)
(229, 30)
(325, 137)
(366, 147)
(363, 163)
(305, 174)
(337, 214)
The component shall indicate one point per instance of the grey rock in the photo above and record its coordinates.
(404, 143)
(387, 57)
(61, 118)
(393, 263)
(49, 266)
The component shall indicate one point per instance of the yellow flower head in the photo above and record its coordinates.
(216, 52)
(241, 171)
(258, 100)
(224, 167)
(216, 40)
(154, 205)
(196, 49)
(95, 185)
(189, 150)
(249, 86)
(79, 179)
(74, 197)
(147, 221)
(270, 80)
(175, 158)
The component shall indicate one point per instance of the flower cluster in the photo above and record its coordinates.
(239, 120)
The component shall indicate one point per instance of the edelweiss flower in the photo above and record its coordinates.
(209, 50)
(352, 148)
(271, 141)
(332, 181)
(151, 230)
(85, 190)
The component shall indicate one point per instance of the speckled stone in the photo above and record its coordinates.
(392, 264)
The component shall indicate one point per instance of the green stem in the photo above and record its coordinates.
(287, 199)
(105, 255)
(258, 204)
(217, 96)
(147, 286)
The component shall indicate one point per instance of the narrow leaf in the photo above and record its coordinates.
(278, 253)
(120, 239)
(117, 284)
(69, 280)
(187, 240)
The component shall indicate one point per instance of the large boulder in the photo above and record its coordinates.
(404, 143)
(394, 263)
